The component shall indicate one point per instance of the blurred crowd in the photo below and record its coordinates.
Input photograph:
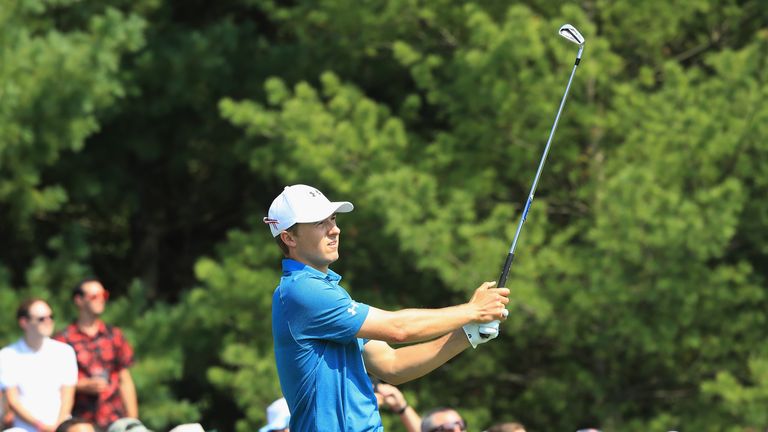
(77, 380)
(391, 400)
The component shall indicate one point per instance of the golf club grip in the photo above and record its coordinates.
(502, 279)
(505, 271)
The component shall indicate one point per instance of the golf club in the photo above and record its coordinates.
(569, 32)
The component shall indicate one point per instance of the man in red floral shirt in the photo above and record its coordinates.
(105, 390)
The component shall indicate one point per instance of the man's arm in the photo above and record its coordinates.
(6, 410)
(94, 385)
(12, 393)
(128, 394)
(397, 366)
(67, 401)
(393, 399)
(415, 325)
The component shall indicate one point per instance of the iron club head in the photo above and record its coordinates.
(569, 32)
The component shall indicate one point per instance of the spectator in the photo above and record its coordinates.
(390, 397)
(325, 341)
(37, 373)
(506, 427)
(188, 427)
(278, 417)
(105, 390)
(76, 425)
(443, 420)
(127, 424)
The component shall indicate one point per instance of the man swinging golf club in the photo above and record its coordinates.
(325, 341)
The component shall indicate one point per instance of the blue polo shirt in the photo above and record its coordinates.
(319, 359)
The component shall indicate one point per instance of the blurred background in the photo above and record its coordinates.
(142, 141)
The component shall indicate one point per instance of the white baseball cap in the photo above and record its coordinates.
(301, 204)
(278, 416)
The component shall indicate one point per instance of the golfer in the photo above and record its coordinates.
(325, 341)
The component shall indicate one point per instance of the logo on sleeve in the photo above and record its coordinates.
(352, 309)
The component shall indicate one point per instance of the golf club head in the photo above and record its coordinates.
(569, 32)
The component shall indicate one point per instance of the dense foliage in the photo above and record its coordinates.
(142, 141)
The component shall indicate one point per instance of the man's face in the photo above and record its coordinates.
(447, 421)
(93, 298)
(81, 427)
(317, 244)
(39, 320)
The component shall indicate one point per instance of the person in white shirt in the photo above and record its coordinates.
(37, 373)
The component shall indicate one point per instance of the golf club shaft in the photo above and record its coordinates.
(508, 262)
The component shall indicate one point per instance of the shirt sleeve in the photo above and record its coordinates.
(6, 378)
(319, 310)
(123, 350)
(69, 367)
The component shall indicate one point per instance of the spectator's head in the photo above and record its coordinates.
(506, 427)
(127, 424)
(90, 297)
(35, 318)
(442, 420)
(188, 427)
(76, 425)
(278, 417)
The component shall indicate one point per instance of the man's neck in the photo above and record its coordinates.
(34, 342)
(323, 269)
(88, 324)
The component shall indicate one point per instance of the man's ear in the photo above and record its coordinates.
(288, 238)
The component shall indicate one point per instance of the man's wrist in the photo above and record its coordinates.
(402, 410)
(469, 312)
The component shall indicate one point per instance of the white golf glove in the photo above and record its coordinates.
(474, 330)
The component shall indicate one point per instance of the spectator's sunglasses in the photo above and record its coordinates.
(449, 427)
(40, 319)
(103, 295)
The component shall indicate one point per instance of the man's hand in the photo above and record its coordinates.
(488, 303)
(391, 397)
(473, 331)
(94, 385)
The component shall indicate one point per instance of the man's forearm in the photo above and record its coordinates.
(18, 409)
(128, 394)
(411, 420)
(67, 401)
(411, 362)
(415, 325)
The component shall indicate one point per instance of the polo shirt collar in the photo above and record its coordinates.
(290, 266)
